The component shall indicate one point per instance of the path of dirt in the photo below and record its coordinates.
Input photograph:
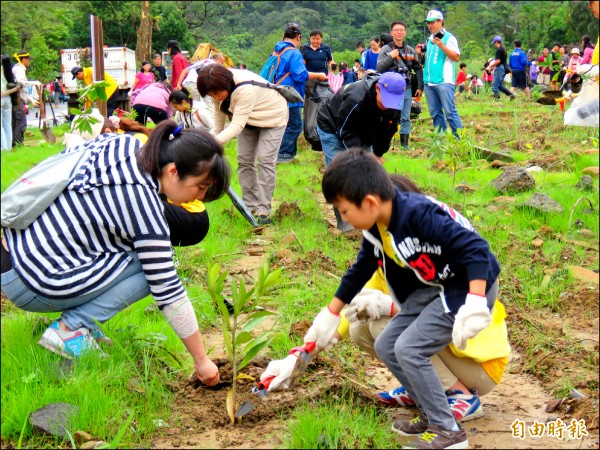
(199, 418)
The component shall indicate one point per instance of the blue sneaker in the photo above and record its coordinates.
(465, 407)
(70, 344)
(397, 397)
(100, 337)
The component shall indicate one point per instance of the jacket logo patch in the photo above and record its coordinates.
(425, 267)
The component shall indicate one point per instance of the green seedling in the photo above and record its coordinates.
(248, 312)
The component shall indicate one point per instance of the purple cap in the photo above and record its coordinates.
(391, 88)
(496, 39)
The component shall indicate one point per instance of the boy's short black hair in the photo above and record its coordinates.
(354, 174)
(461, 65)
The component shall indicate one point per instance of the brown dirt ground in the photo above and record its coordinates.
(199, 413)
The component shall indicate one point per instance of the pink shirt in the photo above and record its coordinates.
(587, 56)
(574, 62)
(154, 94)
(143, 79)
(335, 81)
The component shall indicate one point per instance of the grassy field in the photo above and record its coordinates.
(135, 380)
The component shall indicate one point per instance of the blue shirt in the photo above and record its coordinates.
(370, 62)
(291, 61)
(316, 60)
(518, 60)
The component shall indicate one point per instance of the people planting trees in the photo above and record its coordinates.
(420, 244)
(104, 242)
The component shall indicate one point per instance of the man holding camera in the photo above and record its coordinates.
(400, 57)
(439, 75)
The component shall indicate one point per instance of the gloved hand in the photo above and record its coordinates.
(281, 369)
(369, 305)
(470, 319)
(35, 103)
(323, 329)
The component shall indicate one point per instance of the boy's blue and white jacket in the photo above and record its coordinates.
(436, 247)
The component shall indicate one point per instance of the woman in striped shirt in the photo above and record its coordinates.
(104, 243)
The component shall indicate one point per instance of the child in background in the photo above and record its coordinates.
(334, 78)
(189, 112)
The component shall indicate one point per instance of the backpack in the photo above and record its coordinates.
(28, 197)
(269, 70)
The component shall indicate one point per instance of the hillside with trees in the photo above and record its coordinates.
(247, 30)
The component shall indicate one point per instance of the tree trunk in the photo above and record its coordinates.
(143, 51)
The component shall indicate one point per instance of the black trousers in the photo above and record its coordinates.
(144, 112)
(19, 125)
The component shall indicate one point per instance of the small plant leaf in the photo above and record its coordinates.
(257, 319)
(242, 338)
(252, 353)
(272, 279)
(245, 376)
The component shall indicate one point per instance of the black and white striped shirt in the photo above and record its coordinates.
(81, 242)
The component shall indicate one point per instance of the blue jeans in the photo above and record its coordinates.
(405, 124)
(289, 143)
(6, 123)
(102, 304)
(440, 99)
(497, 86)
(420, 330)
(332, 145)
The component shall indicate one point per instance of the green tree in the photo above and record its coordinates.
(44, 66)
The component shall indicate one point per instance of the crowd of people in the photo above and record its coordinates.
(428, 311)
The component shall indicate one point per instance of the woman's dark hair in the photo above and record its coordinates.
(376, 39)
(174, 46)
(215, 78)
(353, 175)
(316, 32)
(385, 38)
(587, 42)
(179, 95)
(333, 67)
(143, 64)
(291, 31)
(343, 67)
(193, 151)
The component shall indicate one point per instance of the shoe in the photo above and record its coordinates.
(465, 407)
(100, 337)
(70, 344)
(512, 97)
(435, 437)
(284, 159)
(412, 427)
(397, 397)
(344, 227)
(404, 140)
(263, 219)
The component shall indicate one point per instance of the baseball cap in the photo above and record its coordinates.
(575, 50)
(434, 15)
(75, 70)
(496, 39)
(391, 88)
(469, 76)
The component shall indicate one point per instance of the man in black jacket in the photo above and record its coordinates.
(398, 56)
(363, 114)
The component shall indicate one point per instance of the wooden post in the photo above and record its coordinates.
(98, 57)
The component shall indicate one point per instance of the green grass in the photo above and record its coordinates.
(133, 377)
(355, 426)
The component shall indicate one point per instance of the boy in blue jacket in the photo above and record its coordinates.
(418, 242)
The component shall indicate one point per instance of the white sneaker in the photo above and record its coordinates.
(70, 344)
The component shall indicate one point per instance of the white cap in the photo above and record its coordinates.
(434, 15)
(575, 50)
(469, 76)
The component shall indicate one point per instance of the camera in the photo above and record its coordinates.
(423, 47)
(440, 34)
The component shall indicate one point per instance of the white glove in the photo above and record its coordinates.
(470, 319)
(323, 329)
(369, 305)
(281, 369)
(588, 70)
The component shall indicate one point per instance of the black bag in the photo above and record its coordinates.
(316, 96)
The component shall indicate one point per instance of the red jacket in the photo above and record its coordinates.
(179, 63)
